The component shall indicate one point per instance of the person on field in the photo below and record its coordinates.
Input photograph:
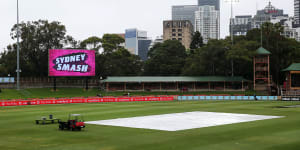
(255, 98)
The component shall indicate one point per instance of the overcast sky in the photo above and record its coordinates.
(85, 18)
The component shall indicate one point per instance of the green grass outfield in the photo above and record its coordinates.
(18, 130)
(77, 92)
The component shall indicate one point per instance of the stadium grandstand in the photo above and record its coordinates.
(291, 87)
(204, 83)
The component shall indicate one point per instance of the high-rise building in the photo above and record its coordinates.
(187, 12)
(207, 22)
(215, 3)
(241, 25)
(288, 28)
(184, 12)
(266, 14)
(158, 39)
(143, 48)
(297, 13)
(180, 30)
(291, 29)
(137, 42)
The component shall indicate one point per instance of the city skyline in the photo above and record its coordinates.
(95, 18)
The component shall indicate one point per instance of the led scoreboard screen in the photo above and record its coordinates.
(71, 62)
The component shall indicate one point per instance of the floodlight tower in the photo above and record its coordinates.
(18, 49)
(231, 29)
(231, 17)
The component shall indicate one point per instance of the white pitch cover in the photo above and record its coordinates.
(182, 121)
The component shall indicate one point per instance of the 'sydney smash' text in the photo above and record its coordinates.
(72, 63)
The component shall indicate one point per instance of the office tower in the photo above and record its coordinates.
(289, 30)
(137, 42)
(215, 3)
(158, 39)
(207, 22)
(143, 48)
(180, 30)
(184, 12)
(266, 14)
(241, 25)
(297, 12)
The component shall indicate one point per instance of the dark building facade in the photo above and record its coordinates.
(143, 48)
(297, 12)
(184, 12)
(241, 25)
(215, 3)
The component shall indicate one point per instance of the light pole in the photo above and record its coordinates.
(18, 49)
(231, 17)
(231, 30)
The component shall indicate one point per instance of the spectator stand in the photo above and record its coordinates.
(205, 83)
(291, 88)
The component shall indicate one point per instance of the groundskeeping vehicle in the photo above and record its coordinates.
(74, 123)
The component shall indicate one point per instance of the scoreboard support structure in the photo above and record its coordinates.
(86, 83)
(54, 84)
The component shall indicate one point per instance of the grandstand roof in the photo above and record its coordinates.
(175, 79)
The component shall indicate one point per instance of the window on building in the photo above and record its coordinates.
(174, 24)
(174, 34)
(179, 30)
(173, 30)
(168, 25)
(295, 80)
(174, 39)
(179, 34)
(179, 39)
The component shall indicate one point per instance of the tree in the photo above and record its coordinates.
(120, 63)
(241, 53)
(197, 41)
(91, 43)
(284, 50)
(116, 60)
(111, 42)
(195, 64)
(8, 61)
(37, 38)
(213, 54)
(165, 59)
(71, 43)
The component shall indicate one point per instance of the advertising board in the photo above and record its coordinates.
(71, 62)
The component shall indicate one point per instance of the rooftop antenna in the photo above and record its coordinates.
(256, 6)
(261, 35)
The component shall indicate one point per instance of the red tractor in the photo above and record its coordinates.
(74, 123)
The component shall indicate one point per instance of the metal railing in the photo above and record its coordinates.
(290, 93)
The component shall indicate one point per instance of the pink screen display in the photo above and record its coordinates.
(71, 62)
